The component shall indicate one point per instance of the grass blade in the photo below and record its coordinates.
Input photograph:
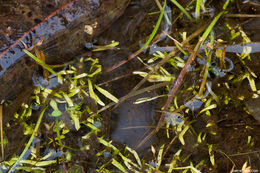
(135, 155)
(106, 47)
(93, 94)
(182, 134)
(197, 10)
(106, 94)
(159, 157)
(154, 30)
(118, 165)
(212, 24)
(29, 143)
(45, 66)
(182, 9)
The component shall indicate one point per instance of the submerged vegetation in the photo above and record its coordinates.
(200, 88)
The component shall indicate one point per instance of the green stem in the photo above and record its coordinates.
(29, 142)
(155, 29)
(45, 66)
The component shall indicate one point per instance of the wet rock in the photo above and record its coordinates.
(253, 107)
(61, 36)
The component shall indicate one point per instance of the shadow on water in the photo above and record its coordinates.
(133, 123)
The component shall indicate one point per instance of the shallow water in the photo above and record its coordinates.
(131, 30)
(133, 121)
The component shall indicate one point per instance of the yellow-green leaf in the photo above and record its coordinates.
(118, 165)
(106, 94)
(182, 134)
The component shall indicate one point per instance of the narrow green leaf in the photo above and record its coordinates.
(182, 134)
(127, 161)
(188, 167)
(54, 105)
(106, 94)
(155, 29)
(47, 155)
(107, 47)
(159, 157)
(154, 77)
(208, 108)
(45, 163)
(45, 66)
(147, 99)
(91, 91)
(136, 156)
(181, 8)
(75, 119)
(197, 10)
(68, 100)
(93, 95)
(118, 165)
(107, 144)
(212, 24)
(82, 75)
(251, 83)
(211, 154)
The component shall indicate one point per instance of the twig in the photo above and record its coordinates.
(178, 82)
(132, 94)
(243, 15)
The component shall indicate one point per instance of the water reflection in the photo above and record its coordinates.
(131, 115)
(253, 47)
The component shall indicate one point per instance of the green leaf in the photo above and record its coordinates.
(211, 154)
(93, 95)
(75, 119)
(210, 27)
(91, 91)
(106, 94)
(159, 157)
(197, 10)
(182, 134)
(118, 165)
(154, 77)
(54, 105)
(45, 163)
(251, 83)
(135, 155)
(181, 8)
(154, 30)
(208, 108)
(56, 113)
(68, 100)
(45, 66)
(82, 75)
(107, 47)
(188, 167)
